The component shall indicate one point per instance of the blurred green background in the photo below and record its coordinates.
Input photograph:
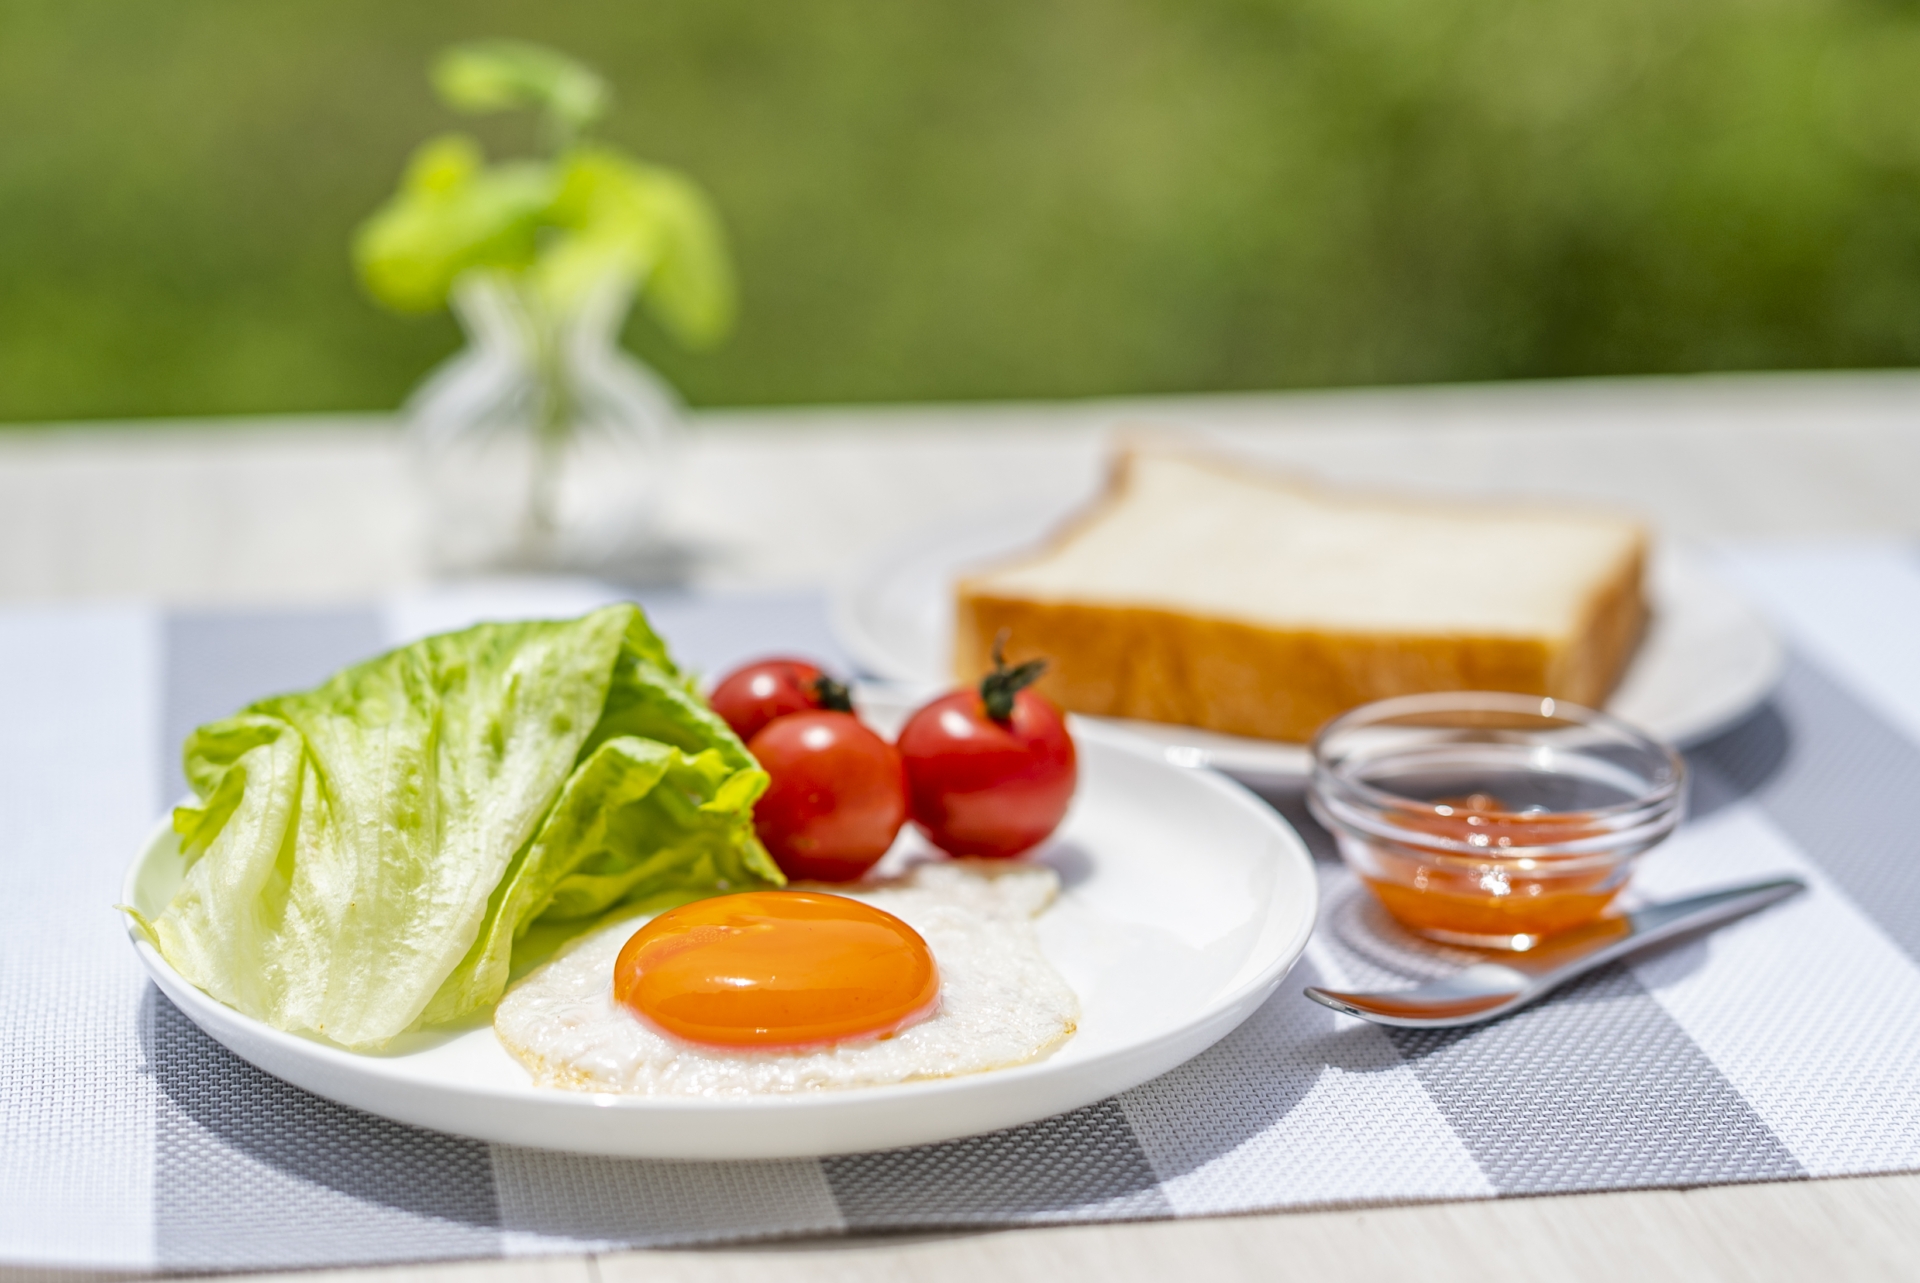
(998, 198)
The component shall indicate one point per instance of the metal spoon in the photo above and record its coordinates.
(1489, 989)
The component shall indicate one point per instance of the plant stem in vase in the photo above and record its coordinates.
(555, 423)
(542, 445)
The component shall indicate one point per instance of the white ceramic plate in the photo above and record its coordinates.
(1708, 658)
(1185, 901)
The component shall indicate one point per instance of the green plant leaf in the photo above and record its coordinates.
(649, 225)
(691, 291)
(453, 213)
(570, 226)
(501, 75)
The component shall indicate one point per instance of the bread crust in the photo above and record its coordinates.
(1246, 678)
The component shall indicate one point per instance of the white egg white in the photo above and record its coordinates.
(1001, 1002)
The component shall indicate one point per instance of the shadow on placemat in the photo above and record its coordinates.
(252, 1171)
(1739, 763)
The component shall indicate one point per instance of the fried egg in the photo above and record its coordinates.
(987, 1000)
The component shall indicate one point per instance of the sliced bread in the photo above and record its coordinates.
(1206, 592)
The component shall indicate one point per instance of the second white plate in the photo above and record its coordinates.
(1707, 661)
(1185, 901)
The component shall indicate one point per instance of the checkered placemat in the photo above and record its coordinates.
(1785, 1046)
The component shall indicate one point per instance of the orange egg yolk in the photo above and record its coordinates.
(777, 969)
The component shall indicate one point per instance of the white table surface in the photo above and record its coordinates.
(313, 509)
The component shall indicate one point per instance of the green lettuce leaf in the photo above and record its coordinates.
(373, 854)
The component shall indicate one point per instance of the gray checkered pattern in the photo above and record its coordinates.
(215, 1165)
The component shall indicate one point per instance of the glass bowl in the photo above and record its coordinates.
(1492, 820)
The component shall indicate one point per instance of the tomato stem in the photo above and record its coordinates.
(833, 696)
(998, 687)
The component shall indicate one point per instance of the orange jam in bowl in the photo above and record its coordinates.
(1492, 820)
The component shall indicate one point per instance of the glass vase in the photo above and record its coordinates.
(542, 445)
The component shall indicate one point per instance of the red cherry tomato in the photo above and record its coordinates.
(838, 797)
(750, 697)
(978, 785)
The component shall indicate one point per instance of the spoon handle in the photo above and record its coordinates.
(1499, 987)
(1663, 921)
(1579, 951)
